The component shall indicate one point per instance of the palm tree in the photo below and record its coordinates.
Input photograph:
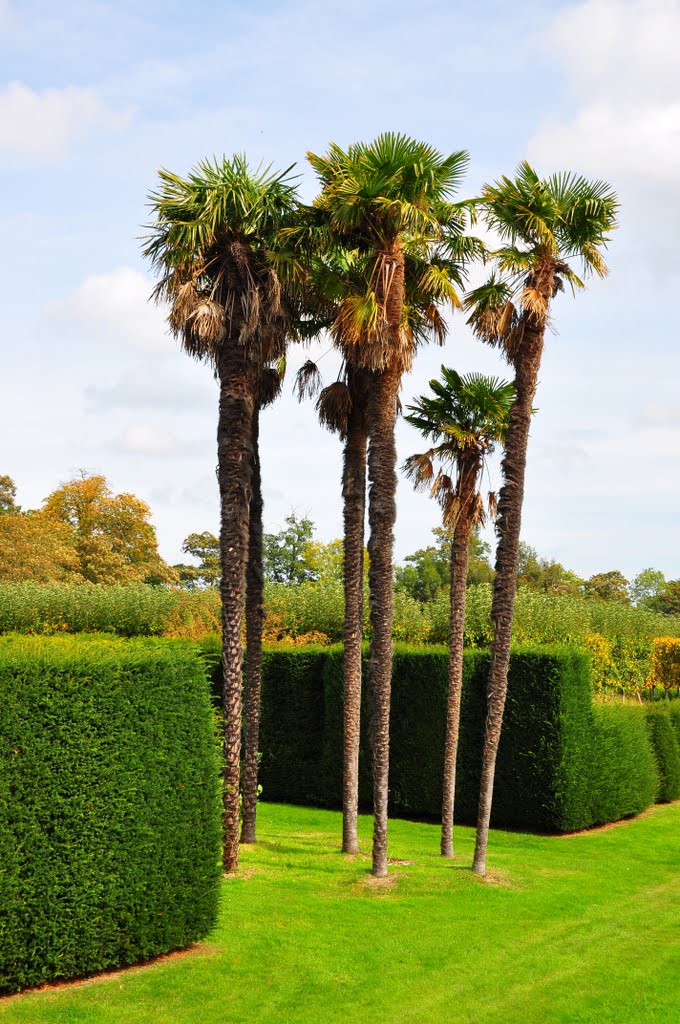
(465, 418)
(542, 224)
(269, 387)
(212, 242)
(387, 200)
(333, 276)
(343, 408)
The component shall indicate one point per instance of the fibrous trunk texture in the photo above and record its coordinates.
(508, 527)
(254, 621)
(382, 476)
(354, 509)
(382, 514)
(234, 470)
(460, 556)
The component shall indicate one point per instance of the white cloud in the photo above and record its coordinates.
(42, 125)
(159, 387)
(114, 308)
(147, 440)
(621, 60)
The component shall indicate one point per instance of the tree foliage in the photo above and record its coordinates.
(608, 586)
(667, 601)
(205, 547)
(35, 547)
(427, 572)
(545, 574)
(84, 533)
(647, 585)
(8, 493)
(284, 555)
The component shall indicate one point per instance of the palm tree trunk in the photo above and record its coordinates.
(382, 515)
(527, 365)
(234, 470)
(382, 509)
(354, 510)
(460, 557)
(254, 621)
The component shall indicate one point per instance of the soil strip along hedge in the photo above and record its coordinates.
(109, 805)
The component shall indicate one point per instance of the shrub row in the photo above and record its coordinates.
(563, 764)
(317, 609)
(663, 726)
(109, 804)
(133, 610)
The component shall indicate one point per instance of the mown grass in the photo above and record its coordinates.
(575, 929)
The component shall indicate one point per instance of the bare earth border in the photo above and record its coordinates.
(92, 979)
(648, 813)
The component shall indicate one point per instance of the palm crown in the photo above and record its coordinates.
(542, 225)
(465, 418)
(392, 194)
(375, 191)
(213, 242)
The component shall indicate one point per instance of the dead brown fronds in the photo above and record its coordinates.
(308, 381)
(334, 406)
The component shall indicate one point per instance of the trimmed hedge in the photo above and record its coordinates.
(665, 746)
(109, 805)
(623, 773)
(675, 718)
(563, 765)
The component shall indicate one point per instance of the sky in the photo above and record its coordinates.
(96, 96)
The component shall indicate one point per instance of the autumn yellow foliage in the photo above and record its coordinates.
(666, 662)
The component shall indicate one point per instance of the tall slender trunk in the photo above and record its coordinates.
(354, 510)
(254, 621)
(460, 557)
(527, 365)
(234, 471)
(382, 514)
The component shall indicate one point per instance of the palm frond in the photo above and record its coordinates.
(334, 406)
(308, 381)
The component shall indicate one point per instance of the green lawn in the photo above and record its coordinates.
(573, 929)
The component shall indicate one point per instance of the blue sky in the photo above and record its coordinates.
(96, 96)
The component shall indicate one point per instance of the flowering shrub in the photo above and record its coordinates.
(666, 663)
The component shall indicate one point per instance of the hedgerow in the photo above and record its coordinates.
(109, 804)
(625, 657)
(132, 610)
(563, 764)
(665, 746)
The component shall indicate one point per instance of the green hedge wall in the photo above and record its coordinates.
(663, 736)
(563, 765)
(109, 805)
(624, 778)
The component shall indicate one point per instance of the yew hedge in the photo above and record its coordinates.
(564, 764)
(109, 805)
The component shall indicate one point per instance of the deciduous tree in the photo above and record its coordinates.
(114, 537)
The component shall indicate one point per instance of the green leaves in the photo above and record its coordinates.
(467, 411)
(389, 186)
(109, 805)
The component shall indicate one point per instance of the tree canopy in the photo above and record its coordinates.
(82, 533)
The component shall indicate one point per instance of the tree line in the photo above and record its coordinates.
(48, 545)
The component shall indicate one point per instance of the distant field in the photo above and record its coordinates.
(568, 930)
